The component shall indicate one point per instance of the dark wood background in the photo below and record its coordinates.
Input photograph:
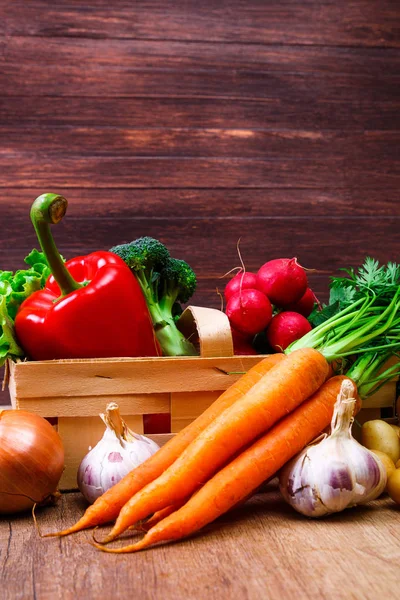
(202, 122)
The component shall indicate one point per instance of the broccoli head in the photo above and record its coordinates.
(145, 256)
(177, 283)
(166, 282)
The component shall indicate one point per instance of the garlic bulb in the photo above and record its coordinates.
(335, 472)
(119, 451)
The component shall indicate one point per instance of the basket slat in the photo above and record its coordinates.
(383, 398)
(87, 406)
(186, 406)
(130, 376)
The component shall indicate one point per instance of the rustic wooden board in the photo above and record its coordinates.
(114, 172)
(122, 55)
(169, 205)
(313, 22)
(86, 406)
(221, 83)
(261, 550)
(287, 112)
(217, 142)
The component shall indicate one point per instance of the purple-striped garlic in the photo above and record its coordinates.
(335, 471)
(118, 452)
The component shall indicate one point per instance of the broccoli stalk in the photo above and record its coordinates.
(177, 284)
(165, 283)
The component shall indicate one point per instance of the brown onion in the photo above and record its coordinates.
(31, 460)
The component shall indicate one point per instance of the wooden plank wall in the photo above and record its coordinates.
(273, 121)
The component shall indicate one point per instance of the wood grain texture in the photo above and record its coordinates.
(229, 84)
(262, 550)
(231, 143)
(91, 68)
(110, 56)
(310, 22)
(285, 112)
(175, 204)
(132, 377)
(85, 406)
(186, 407)
(188, 172)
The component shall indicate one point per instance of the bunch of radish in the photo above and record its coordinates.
(275, 301)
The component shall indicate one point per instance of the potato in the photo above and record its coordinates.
(387, 462)
(393, 486)
(379, 435)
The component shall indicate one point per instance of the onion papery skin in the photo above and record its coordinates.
(31, 460)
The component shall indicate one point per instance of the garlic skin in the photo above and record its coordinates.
(118, 452)
(335, 472)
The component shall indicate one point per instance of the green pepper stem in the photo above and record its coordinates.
(49, 209)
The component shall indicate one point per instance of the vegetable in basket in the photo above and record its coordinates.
(14, 289)
(166, 284)
(91, 306)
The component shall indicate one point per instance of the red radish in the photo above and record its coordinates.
(249, 311)
(305, 305)
(242, 343)
(241, 281)
(283, 280)
(285, 328)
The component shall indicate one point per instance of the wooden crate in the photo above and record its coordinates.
(75, 392)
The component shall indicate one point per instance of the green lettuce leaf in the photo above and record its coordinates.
(14, 289)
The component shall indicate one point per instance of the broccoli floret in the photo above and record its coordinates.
(166, 282)
(146, 257)
(177, 283)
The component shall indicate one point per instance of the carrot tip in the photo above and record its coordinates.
(123, 550)
(96, 541)
(100, 546)
(46, 535)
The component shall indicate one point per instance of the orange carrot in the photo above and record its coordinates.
(160, 515)
(247, 471)
(108, 505)
(279, 392)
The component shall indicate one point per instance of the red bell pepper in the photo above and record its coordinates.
(91, 306)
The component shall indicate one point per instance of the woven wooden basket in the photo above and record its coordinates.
(74, 392)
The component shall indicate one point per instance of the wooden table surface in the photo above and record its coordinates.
(200, 122)
(262, 550)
